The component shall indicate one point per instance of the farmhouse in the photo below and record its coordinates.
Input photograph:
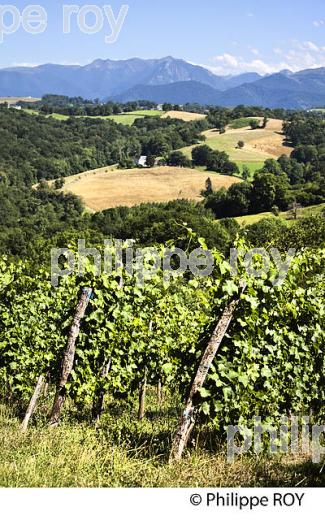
(142, 161)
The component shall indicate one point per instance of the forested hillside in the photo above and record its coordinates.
(33, 148)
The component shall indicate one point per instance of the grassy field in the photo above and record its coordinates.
(260, 144)
(242, 122)
(127, 118)
(251, 165)
(184, 116)
(123, 452)
(32, 112)
(103, 188)
(286, 215)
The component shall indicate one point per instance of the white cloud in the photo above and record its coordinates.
(25, 64)
(319, 23)
(299, 56)
(311, 46)
(227, 60)
(254, 51)
(32, 65)
(229, 64)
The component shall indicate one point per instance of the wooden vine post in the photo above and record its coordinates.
(33, 402)
(98, 403)
(143, 388)
(142, 396)
(69, 356)
(159, 392)
(189, 414)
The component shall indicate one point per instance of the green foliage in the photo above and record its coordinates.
(241, 122)
(149, 224)
(27, 216)
(177, 158)
(254, 124)
(151, 160)
(58, 184)
(273, 360)
(279, 183)
(77, 106)
(270, 363)
(201, 155)
(35, 147)
(246, 173)
(214, 160)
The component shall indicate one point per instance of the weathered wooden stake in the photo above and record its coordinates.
(189, 414)
(159, 392)
(33, 403)
(46, 389)
(68, 356)
(142, 396)
(98, 404)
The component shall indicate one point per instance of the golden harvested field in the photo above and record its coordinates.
(184, 116)
(261, 144)
(15, 100)
(104, 188)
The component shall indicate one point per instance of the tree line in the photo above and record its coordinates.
(299, 178)
(34, 147)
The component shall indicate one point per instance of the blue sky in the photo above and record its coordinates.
(230, 36)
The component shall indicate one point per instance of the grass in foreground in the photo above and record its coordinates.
(123, 452)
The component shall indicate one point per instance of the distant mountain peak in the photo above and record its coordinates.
(286, 72)
(165, 79)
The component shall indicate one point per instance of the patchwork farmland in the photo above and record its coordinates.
(259, 145)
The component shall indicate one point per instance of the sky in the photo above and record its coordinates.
(228, 37)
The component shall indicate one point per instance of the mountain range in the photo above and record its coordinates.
(166, 80)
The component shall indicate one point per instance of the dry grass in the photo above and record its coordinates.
(102, 189)
(126, 453)
(309, 211)
(184, 116)
(15, 100)
(260, 144)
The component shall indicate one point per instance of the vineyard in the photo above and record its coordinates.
(134, 337)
